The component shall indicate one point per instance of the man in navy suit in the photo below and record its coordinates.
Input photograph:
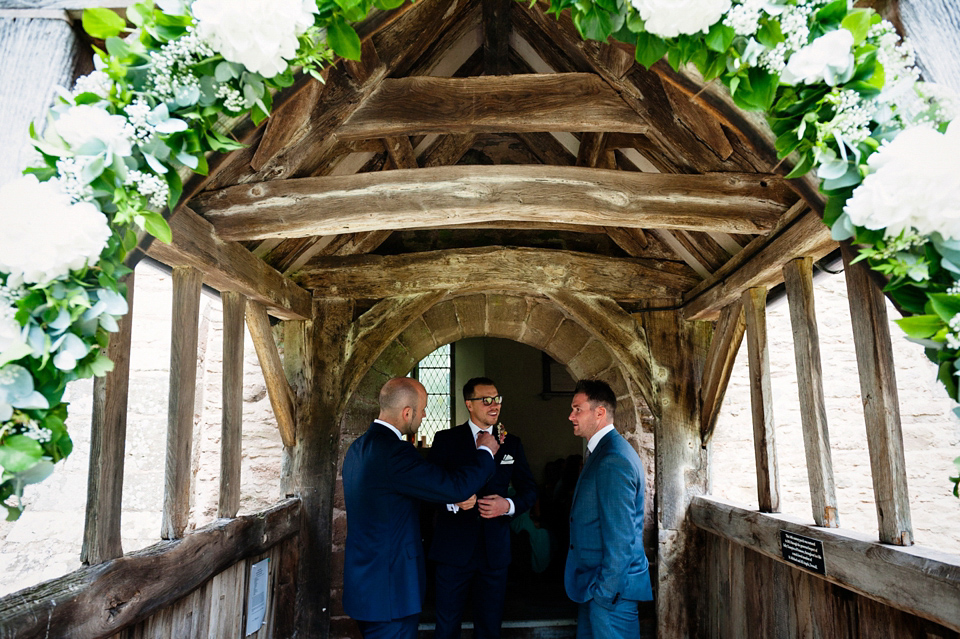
(471, 542)
(383, 479)
(606, 571)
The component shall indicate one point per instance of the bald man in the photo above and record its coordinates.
(384, 477)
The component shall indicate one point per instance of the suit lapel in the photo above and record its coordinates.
(591, 460)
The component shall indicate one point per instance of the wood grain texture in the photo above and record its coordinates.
(398, 44)
(727, 337)
(102, 600)
(921, 581)
(281, 395)
(490, 104)
(496, 36)
(736, 203)
(677, 349)
(798, 276)
(228, 266)
(760, 263)
(881, 405)
(401, 152)
(38, 55)
(231, 430)
(108, 433)
(314, 357)
(494, 268)
(187, 282)
(754, 303)
(591, 148)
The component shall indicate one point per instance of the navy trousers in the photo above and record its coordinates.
(403, 628)
(486, 588)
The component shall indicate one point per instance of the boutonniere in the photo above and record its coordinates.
(503, 433)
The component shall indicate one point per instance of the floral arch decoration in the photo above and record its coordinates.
(838, 86)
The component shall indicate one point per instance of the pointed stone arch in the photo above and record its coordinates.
(590, 335)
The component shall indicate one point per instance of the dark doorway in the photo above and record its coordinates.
(538, 415)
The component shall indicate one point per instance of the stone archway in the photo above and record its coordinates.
(538, 321)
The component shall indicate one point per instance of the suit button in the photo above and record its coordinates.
(571, 546)
(571, 520)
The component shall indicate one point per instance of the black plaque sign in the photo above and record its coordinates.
(802, 551)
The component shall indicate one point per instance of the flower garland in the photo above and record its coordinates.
(840, 89)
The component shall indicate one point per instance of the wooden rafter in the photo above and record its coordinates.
(492, 104)
(801, 234)
(727, 337)
(281, 395)
(496, 36)
(229, 266)
(740, 203)
(510, 269)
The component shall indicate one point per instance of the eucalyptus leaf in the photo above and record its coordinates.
(19, 453)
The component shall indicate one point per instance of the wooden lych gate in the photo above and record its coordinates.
(482, 171)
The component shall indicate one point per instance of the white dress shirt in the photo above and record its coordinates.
(390, 426)
(476, 432)
(597, 436)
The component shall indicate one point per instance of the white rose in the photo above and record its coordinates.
(829, 58)
(912, 185)
(259, 34)
(91, 130)
(670, 18)
(45, 235)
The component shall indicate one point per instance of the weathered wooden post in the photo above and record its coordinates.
(678, 349)
(314, 358)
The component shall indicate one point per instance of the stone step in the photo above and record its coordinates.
(528, 629)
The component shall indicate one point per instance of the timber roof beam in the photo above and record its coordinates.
(493, 268)
(491, 104)
(424, 198)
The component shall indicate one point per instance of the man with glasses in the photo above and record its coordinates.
(471, 543)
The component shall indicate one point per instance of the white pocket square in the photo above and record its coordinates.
(507, 459)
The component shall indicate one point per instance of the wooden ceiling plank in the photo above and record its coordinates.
(591, 148)
(401, 152)
(494, 268)
(447, 150)
(229, 266)
(397, 45)
(738, 203)
(496, 36)
(490, 104)
(760, 263)
(548, 149)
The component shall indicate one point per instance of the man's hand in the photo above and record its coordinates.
(488, 440)
(493, 506)
(468, 503)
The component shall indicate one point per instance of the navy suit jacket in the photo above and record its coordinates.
(383, 479)
(606, 561)
(457, 534)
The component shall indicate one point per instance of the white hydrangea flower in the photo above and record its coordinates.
(260, 35)
(912, 185)
(96, 82)
(92, 130)
(828, 59)
(670, 18)
(45, 234)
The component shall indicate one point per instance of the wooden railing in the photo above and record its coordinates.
(854, 585)
(194, 586)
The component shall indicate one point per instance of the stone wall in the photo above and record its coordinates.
(931, 432)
